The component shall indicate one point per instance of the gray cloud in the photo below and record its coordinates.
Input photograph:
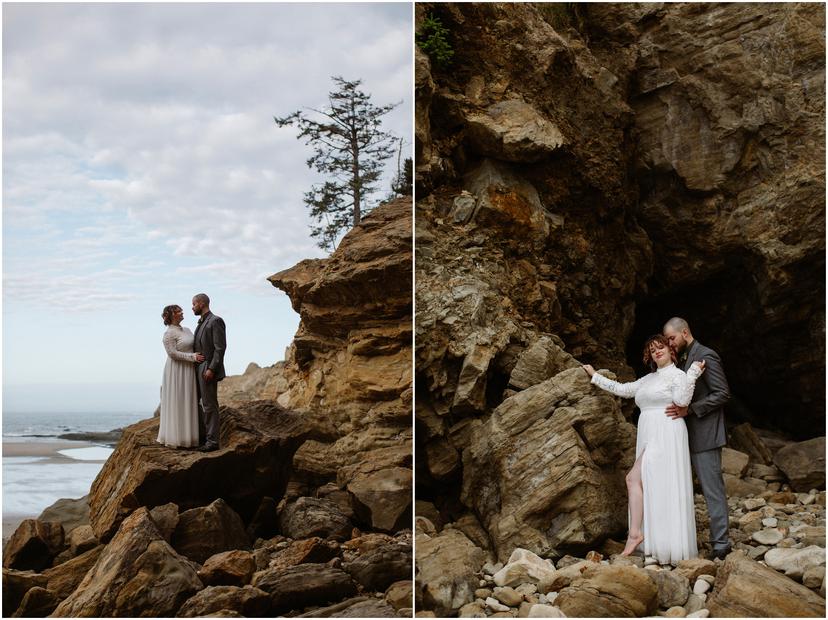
(150, 125)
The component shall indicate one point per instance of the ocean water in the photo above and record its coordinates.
(32, 483)
(51, 424)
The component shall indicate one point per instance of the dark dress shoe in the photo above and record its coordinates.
(208, 448)
(718, 554)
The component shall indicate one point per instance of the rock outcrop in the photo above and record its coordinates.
(348, 369)
(585, 172)
(258, 442)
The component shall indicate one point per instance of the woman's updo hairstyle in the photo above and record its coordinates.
(168, 312)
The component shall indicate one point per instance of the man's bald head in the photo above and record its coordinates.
(678, 324)
(678, 333)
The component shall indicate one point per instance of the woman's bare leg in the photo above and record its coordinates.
(635, 492)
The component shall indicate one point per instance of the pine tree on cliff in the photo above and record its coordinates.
(349, 149)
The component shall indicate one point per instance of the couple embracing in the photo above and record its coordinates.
(189, 390)
(681, 422)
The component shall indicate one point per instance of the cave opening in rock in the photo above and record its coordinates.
(769, 352)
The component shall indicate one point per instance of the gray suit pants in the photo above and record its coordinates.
(208, 409)
(708, 467)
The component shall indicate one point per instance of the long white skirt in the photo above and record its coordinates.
(179, 405)
(669, 514)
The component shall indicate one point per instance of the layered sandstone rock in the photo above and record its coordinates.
(349, 367)
(258, 441)
(137, 574)
(33, 545)
(542, 470)
(745, 588)
(256, 383)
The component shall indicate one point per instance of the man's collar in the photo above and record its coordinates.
(202, 317)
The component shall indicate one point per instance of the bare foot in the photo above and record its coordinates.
(632, 542)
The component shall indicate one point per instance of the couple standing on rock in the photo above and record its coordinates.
(682, 421)
(189, 399)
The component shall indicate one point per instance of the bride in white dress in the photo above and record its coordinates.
(660, 484)
(179, 398)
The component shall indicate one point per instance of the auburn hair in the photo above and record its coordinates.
(649, 362)
(167, 313)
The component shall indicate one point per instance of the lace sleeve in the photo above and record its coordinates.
(169, 346)
(624, 390)
(683, 384)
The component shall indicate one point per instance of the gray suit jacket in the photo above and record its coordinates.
(211, 341)
(705, 416)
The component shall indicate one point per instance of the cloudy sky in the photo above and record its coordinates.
(141, 165)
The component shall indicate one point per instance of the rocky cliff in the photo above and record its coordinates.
(306, 506)
(349, 367)
(584, 172)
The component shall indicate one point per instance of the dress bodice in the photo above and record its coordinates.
(178, 343)
(657, 389)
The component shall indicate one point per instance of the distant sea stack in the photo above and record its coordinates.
(304, 509)
(583, 173)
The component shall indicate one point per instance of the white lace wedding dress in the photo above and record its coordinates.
(669, 526)
(179, 398)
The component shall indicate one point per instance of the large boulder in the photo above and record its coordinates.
(205, 531)
(33, 545)
(512, 130)
(376, 569)
(313, 550)
(64, 578)
(734, 462)
(137, 574)
(794, 562)
(384, 497)
(37, 603)
(15, 585)
(542, 471)
(367, 609)
(745, 588)
(247, 601)
(229, 568)
(306, 584)
(523, 566)
(610, 591)
(543, 359)
(258, 441)
(81, 539)
(70, 513)
(803, 463)
(446, 571)
(308, 517)
(673, 588)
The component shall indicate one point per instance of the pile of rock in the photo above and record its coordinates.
(457, 572)
(204, 554)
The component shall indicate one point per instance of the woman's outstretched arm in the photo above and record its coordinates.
(624, 390)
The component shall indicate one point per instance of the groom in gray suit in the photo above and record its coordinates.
(705, 426)
(211, 342)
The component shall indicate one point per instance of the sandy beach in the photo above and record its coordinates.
(49, 451)
(42, 448)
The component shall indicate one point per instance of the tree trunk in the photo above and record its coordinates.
(356, 179)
